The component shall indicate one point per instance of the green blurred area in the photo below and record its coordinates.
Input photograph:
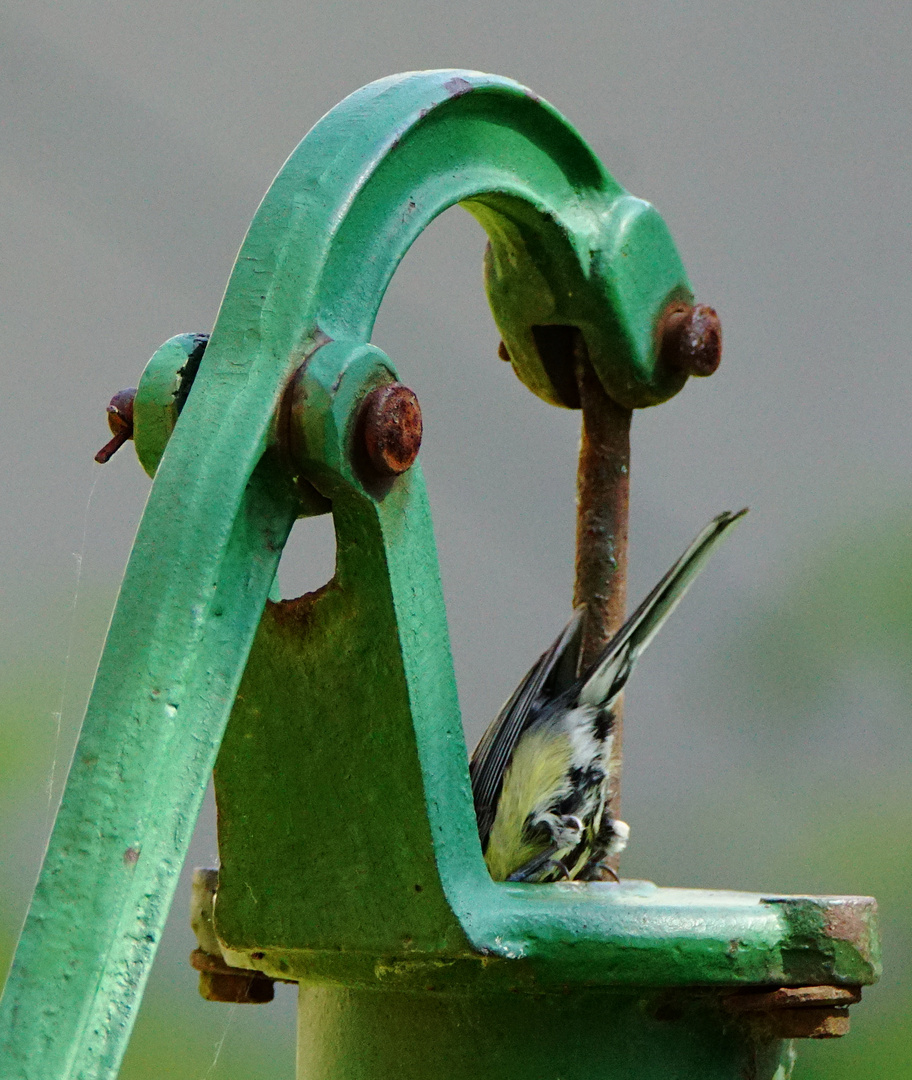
(806, 701)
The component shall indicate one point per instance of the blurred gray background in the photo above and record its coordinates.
(768, 733)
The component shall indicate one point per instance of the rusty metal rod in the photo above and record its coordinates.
(603, 499)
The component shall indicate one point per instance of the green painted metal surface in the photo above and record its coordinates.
(351, 1034)
(307, 892)
(396, 895)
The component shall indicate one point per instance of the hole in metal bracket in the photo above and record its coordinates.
(309, 558)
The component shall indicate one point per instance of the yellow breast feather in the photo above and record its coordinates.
(534, 778)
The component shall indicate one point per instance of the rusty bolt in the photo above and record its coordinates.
(805, 1012)
(235, 989)
(390, 423)
(691, 340)
(120, 421)
(795, 997)
(239, 986)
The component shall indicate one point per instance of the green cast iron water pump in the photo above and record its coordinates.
(412, 962)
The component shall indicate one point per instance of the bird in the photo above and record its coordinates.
(541, 773)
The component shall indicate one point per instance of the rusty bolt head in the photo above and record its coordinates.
(120, 410)
(219, 982)
(120, 421)
(391, 429)
(797, 1012)
(236, 989)
(691, 340)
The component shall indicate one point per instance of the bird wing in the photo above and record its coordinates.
(536, 865)
(605, 678)
(494, 751)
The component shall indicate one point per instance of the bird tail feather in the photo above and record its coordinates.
(605, 678)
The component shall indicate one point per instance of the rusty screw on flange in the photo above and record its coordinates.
(390, 424)
(691, 340)
(120, 421)
(798, 1012)
(237, 986)
(218, 980)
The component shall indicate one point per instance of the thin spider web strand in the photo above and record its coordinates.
(71, 636)
(218, 1048)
